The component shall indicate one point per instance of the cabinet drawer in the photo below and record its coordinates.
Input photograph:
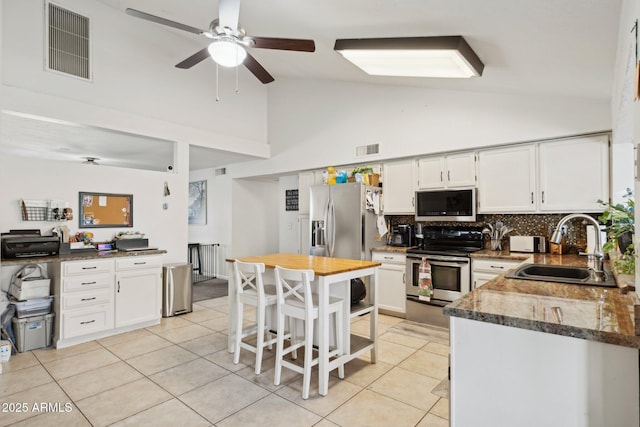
(83, 322)
(389, 257)
(138, 262)
(498, 266)
(86, 299)
(93, 266)
(88, 282)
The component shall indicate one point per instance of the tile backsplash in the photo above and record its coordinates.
(522, 224)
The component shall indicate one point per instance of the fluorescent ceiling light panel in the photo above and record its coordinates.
(449, 56)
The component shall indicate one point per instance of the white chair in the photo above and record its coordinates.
(296, 301)
(250, 290)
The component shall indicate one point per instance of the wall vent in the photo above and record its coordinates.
(367, 150)
(221, 171)
(68, 42)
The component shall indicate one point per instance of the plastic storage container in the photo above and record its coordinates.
(33, 332)
(33, 307)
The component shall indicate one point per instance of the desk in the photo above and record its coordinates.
(332, 277)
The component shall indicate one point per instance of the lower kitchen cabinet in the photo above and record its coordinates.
(485, 269)
(392, 295)
(96, 298)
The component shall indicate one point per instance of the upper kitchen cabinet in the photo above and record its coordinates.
(399, 187)
(556, 176)
(507, 180)
(574, 174)
(305, 181)
(448, 171)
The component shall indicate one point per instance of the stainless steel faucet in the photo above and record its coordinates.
(596, 259)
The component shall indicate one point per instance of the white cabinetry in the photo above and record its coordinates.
(507, 180)
(96, 298)
(305, 181)
(399, 184)
(485, 269)
(391, 282)
(452, 170)
(574, 174)
(555, 176)
(138, 290)
(85, 303)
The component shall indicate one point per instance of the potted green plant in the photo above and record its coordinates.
(619, 219)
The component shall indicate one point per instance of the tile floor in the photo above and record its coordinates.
(180, 373)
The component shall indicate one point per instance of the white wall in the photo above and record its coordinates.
(289, 230)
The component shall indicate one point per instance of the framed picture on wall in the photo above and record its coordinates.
(198, 202)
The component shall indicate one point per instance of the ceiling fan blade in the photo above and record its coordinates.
(299, 45)
(257, 69)
(228, 13)
(194, 59)
(163, 21)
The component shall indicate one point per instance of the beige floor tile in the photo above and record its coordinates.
(361, 372)
(339, 392)
(405, 340)
(84, 362)
(389, 320)
(368, 408)
(431, 420)
(72, 418)
(99, 380)
(206, 344)
(185, 333)
(126, 336)
(202, 315)
(390, 352)
(265, 379)
(325, 423)
(20, 361)
(170, 413)
(441, 409)
(269, 412)
(188, 376)
(408, 387)
(420, 330)
(363, 327)
(167, 323)
(425, 363)
(121, 402)
(213, 302)
(196, 307)
(160, 360)
(218, 324)
(24, 379)
(437, 348)
(221, 398)
(146, 344)
(225, 359)
(50, 354)
(49, 393)
(222, 308)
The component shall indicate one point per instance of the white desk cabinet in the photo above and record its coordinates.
(138, 290)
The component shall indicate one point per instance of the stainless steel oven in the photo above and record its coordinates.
(450, 275)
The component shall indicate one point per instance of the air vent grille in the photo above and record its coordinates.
(367, 150)
(221, 171)
(68, 42)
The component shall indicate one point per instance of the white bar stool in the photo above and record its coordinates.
(250, 290)
(296, 301)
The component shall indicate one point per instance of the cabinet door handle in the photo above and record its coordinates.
(388, 257)
(89, 268)
(87, 283)
(118, 286)
(404, 277)
(87, 299)
(448, 175)
(532, 197)
(542, 196)
(86, 323)
(498, 267)
(139, 263)
(440, 176)
(413, 201)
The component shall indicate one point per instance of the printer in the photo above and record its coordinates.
(29, 244)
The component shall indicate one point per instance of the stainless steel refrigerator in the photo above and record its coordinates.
(341, 226)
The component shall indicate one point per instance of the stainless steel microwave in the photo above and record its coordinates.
(446, 205)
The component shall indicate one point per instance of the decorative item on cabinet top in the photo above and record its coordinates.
(45, 210)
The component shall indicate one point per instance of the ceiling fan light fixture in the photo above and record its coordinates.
(448, 57)
(227, 52)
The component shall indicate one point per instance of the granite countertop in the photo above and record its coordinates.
(389, 248)
(587, 312)
(78, 257)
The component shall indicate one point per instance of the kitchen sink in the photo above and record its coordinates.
(561, 274)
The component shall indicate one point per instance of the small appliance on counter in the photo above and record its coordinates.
(28, 243)
(532, 244)
(401, 235)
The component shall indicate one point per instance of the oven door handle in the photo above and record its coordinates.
(458, 260)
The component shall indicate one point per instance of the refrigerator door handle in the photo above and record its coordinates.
(333, 227)
(172, 294)
(325, 229)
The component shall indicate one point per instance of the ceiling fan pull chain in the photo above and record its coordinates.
(217, 97)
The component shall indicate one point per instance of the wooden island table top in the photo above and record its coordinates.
(322, 266)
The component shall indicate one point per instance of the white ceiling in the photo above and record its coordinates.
(544, 47)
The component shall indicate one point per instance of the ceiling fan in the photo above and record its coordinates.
(229, 41)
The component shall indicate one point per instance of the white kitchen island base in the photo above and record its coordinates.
(506, 376)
